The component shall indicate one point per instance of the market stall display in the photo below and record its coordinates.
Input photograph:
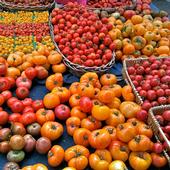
(86, 119)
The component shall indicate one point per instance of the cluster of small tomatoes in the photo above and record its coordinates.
(98, 113)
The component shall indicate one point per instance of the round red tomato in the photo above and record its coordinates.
(23, 82)
(22, 92)
(37, 104)
(14, 117)
(31, 73)
(28, 118)
(3, 117)
(4, 84)
(7, 94)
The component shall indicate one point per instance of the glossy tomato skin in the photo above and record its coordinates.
(11, 101)
(62, 112)
(22, 92)
(27, 102)
(28, 118)
(23, 82)
(86, 104)
(14, 117)
(37, 104)
(3, 117)
(4, 84)
(7, 94)
(17, 106)
(2, 99)
(27, 109)
(31, 73)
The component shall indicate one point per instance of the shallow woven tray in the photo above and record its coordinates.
(77, 69)
(116, 8)
(10, 6)
(153, 123)
(130, 62)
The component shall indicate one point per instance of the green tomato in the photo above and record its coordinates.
(15, 156)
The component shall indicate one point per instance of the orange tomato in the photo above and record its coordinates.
(86, 89)
(144, 129)
(139, 42)
(59, 68)
(39, 59)
(126, 132)
(44, 115)
(91, 123)
(108, 79)
(158, 160)
(100, 159)
(115, 103)
(74, 100)
(55, 156)
(72, 124)
(129, 109)
(27, 168)
(106, 96)
(74, 88)
(52, 130)
(163, 50)
(101, 112)
(55, 80)
(119, 150)
(96, 91)
(139, 29)
(119, 54)
(115, 118)
(51, 100)
(69, 168)
(148, 50)
(13, 72)
(14, 60)
(136, 19)
(81, 137)
(26, 65)
(63, 93)
(128, 49)
(112, 131)
(99, 139)
(77, 157)
(76, 111)
(54, 57)
(127, 93)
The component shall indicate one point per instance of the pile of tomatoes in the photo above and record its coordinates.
(98, 114)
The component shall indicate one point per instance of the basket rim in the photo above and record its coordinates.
(71, 64)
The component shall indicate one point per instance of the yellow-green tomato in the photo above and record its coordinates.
(117, 165)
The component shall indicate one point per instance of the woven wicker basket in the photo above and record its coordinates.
(10, 6)
(130, 62)
(153, 123)
(133, 6)
(77, 69)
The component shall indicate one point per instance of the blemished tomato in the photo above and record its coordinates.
(72, 124)
(3, 117)
(53, 156)
(99, 139)
(140, 160)
(52, 130)
(81, 137)
(100, 159)
(44, 115)
(77, 157)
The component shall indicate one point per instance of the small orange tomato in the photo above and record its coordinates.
(140, 143)
(63, 93)
(129, 109)
(119, 150)
(74, 100)
(115, 103)
(112, 131)
(81, 137)
(55, 156)
(54, 57)
(101, 112)
(127, 93)
(86, 89)
(74, 88)
(76, 111)
(115, 118)
(59, 68)
(52, 130)
(55, 80)
(91, 123)
(126, 132)
(77, 157)
(100, 159)
(99, 139)
(72, 124)
(106, 96)
(158, 160)
(144, 129)
(44, 115)
(108, 79)
(51, 100)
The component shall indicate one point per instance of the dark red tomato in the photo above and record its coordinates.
(2, 99)
(28, 109)
(17, 106)
(4, 84)
(42, 72)
(27, 102)
(22, 92)
(14, 117)
(28, 118)
(23, 82)
(31, 73)
(3, 117)
(11, 101)
(7, 94)
(3, 69)
(11, 81)
(37, 104)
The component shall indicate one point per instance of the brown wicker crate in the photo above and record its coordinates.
(77, 69)
(153, 123)
(10, 6)
(130, 62)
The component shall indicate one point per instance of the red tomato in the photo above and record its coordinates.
(3, 69)
(7, 94)
(3, 117)
(11, 81)
(86, 104)
(23, 82)
(14, 117)
(28, 118)
(37, 104)
(17, 106)
(11, 101)
(2, 99)
(22, 92)
(4, 84)
(27, 102)
(28, 109)
(31, 73)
